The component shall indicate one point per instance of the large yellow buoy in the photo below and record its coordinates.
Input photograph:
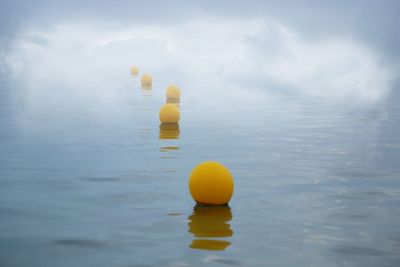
(146, 80)
(211, 183)
(173, 91)
(169, 113)
(134, 70)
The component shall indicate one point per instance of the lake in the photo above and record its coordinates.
(305, 117)
(313, 185)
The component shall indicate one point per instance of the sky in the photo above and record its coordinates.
(372, 21)
(342, 51)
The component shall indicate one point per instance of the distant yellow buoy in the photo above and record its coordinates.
(134, 70)
(146, 80)
(211, 183)
(173, 91)
(169, 113)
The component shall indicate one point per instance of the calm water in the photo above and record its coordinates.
(315, 185)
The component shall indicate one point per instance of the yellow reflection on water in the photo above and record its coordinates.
(169, 131)
(147, 90)
(168, 148)
(175, 101)
(209, 224)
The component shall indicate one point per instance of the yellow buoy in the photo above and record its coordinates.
(134, 70)
(169, 113)
(211, 183)
(173, 91)
(146, 80)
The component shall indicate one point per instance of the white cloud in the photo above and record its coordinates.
(212, 58)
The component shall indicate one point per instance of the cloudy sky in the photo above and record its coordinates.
(344, 51)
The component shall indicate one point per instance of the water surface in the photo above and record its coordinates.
(313, 187)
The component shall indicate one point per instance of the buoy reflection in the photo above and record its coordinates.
(209, 224)
(175, 101)
(169, 148)
(147, 90)
(169, 131)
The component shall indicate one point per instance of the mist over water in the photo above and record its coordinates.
(300, 102)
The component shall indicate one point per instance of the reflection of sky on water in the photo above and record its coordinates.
(300, 101)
